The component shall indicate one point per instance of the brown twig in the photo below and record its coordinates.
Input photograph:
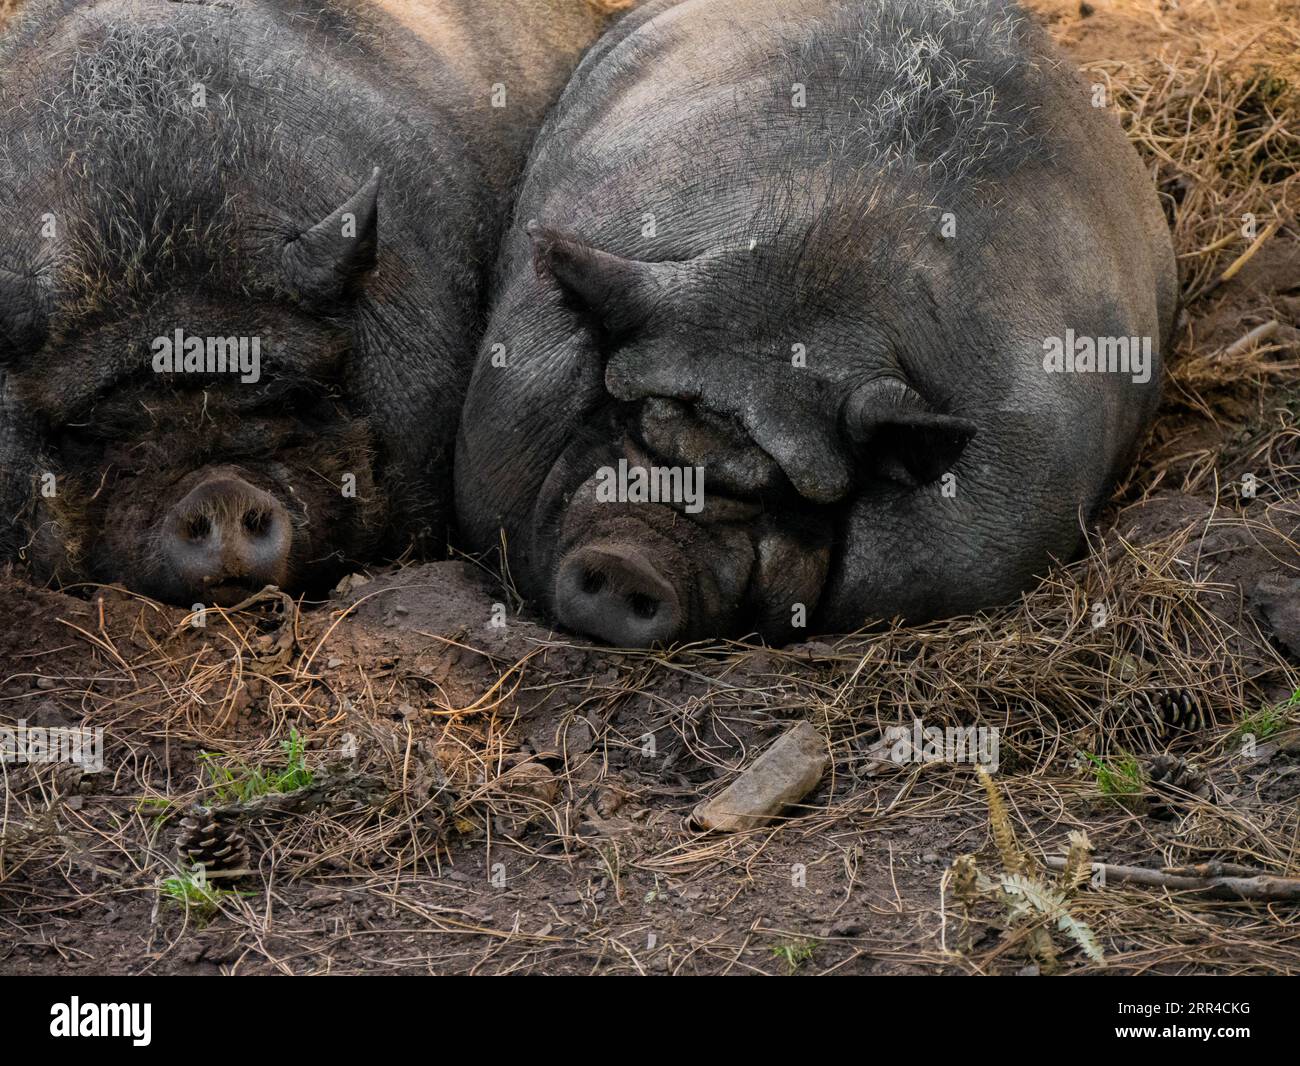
(1257, 887)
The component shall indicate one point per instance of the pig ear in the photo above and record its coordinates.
(621, 294)
(324, 263)
(24, 313)
(900, 435)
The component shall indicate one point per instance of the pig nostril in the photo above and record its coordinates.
(643, 606)
(593, 582)
(257, 522)
(198, 528)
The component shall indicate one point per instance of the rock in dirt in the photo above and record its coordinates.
(1278, 599)
(784, 774)
(522, 795)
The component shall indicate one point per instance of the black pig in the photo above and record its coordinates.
(242, 261)
(840, 265)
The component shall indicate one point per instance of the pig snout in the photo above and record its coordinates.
(614, 592)
(226, 538)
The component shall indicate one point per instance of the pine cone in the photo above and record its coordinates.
(1173, 781)
(209, 840)
(1171, 711)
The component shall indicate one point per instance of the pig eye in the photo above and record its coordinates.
(79, 439)
(198, 527)
(306, 401)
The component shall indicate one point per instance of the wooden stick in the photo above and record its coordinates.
(1257, 887)
(1244, 258)
(331, 786)
(1256, 336)
(1213, 868)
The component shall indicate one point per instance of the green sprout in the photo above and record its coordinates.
(240, 782)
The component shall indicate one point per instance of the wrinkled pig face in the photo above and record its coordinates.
(200, 487)
(704, 492)
(193, 441)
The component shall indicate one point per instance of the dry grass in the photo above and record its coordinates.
(1216, 117)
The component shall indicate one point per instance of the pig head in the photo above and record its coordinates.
(241, 274)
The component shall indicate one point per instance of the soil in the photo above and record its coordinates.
(1126, 31)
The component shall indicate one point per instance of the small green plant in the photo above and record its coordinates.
(609, 859)
(1266, 721)
(192, 890)
(159, 806)
(794, 953)
(232, 781)
(1119, 778)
